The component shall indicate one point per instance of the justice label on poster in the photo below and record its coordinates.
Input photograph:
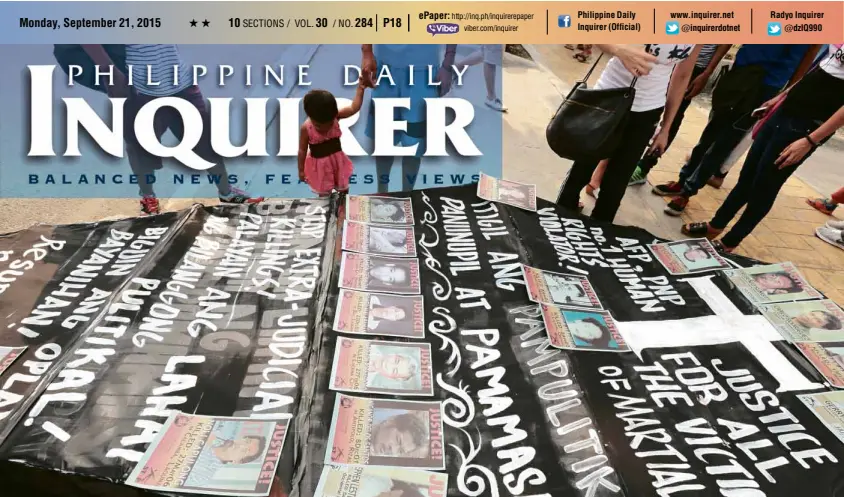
(572, 328)
(356, 481)
(807, 321)
(688, 256)
(380, 314)
(547, 287)
(829, 408)
(396, 433)
(212, 455)
(772, 283)
(828, 359)
(379, 274)
(379, 367)
(379, 210)
(379, 240)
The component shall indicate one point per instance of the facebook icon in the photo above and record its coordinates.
(564, 21)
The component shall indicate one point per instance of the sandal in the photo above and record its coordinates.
(569, 46)
(719, 246)
(581, 57)
(699, 230)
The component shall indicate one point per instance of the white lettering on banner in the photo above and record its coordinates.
(109, 136)
(19, 266)
(592, 465)
(728, 325)
(489, 220)
(718, 443)
(461, 248)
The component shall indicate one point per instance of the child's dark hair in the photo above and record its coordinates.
(320, 106)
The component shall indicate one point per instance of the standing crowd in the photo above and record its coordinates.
(781, 101)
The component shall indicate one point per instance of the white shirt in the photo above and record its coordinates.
(397, 56)
(156, 63)
(833, 63)
(651, 90)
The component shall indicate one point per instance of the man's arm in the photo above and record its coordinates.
(699, 83)
(805, 64)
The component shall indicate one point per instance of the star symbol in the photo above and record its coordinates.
(205, 23)
(193, 23)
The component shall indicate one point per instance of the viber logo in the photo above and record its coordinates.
(442, 28)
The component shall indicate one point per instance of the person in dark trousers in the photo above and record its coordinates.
(663, 72)
(758, 74)
(810, 112)
(707, 62)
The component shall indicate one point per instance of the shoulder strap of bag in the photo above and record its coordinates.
(591, 69)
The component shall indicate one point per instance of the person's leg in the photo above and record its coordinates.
(597, 177)
(710, 163)
(577, 177)
(718, 121)
(637, 132)
(744, 189)
(838, 196)
(474, 59)
(409, 172)
(769, 178)
(384, 165)
(142, 163)
(493, 61)
(648, 162)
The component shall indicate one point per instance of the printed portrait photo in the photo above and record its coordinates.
(693, 256)
(777, 283)
(400, 433)
(386, 210)
(567, 291)
(389, 241)
(394, 368)
(230, 459)
(393, 276)
(390, 315)
(589, 330)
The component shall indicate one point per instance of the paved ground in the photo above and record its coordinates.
(787, 234)
(533, 92)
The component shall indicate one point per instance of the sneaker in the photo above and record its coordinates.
(238, 196)
(638, 178)
(700, 230)
(677, 205)
(668, 189)
(149, 206)
(496, 104)
(715, 182)
(831, 236)
(822, 204)
(836, 225)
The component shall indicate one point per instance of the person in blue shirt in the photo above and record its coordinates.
(758, 74)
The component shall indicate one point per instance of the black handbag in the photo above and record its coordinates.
(587, 123)
(75, 55)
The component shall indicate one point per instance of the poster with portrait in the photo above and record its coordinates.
(829, 408)
(547, 287)
(688, 256)
(381, 367)
(772, 283)
(828, 359)
(579, 329)
(519, 195)
(806, 321)
(379, 240)
(379, 274)
(396, 433)
(361, 481)
(379, 210)
(380, 314)
(8, 356)
(212, 455)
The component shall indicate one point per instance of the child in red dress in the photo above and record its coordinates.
(322, 162)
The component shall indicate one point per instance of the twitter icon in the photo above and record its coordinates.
(672, 28)
(774, 29)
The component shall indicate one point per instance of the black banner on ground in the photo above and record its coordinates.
(228, 311)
